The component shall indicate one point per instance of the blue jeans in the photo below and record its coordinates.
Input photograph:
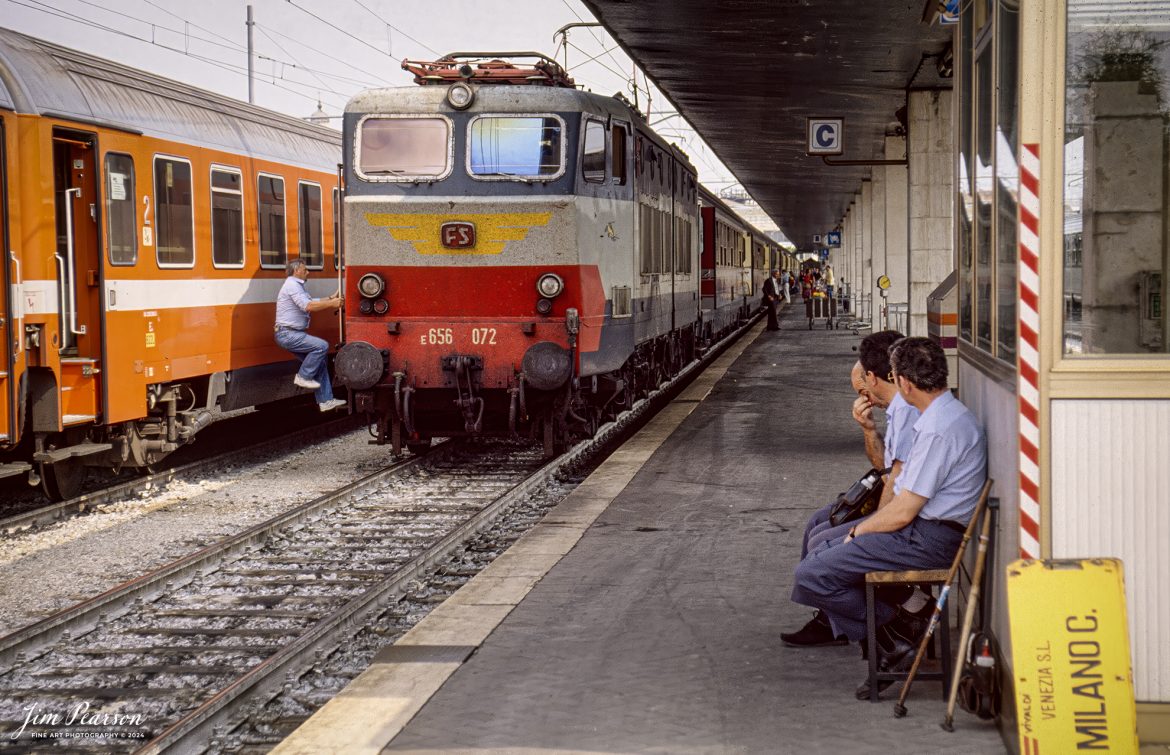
(311, 350)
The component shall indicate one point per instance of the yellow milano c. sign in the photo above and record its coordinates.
(1070, 649)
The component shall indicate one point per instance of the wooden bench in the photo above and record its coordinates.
(928, 580)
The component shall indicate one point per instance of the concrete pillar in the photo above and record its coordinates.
(930, 149)
(865, 200)
(897, 259)
(878, 255)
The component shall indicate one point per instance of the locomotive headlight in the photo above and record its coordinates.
(460, 96)
(370, 285)
(365, 306)
(544, 306)
(550, 285)
(381, 306)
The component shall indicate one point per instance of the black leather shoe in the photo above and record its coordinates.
(896, 649)
(816, 633)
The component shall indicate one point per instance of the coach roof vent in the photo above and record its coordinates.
(490, 68)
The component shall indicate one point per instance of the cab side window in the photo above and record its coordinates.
(618, 139)
(593, 154)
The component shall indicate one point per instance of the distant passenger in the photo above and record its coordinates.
(293, 306)
(771, 300)
(786, 286)
(871, 380)
(830, 280)
(921, 526)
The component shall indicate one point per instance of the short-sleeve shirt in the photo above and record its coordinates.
(948, 462)
(292, 304)
(900, 419)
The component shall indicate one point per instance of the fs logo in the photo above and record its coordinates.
(457, 235)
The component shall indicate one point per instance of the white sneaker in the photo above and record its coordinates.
(331, 404)
(311, 385)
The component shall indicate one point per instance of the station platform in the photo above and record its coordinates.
(643, 613)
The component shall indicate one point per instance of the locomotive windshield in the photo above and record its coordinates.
(519, 147)
(404, 147)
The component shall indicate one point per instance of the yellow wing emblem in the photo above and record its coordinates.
(493, 230)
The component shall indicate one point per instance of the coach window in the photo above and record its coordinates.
(1115, 180)
(121, 231)
(270, 202)
(227, 218)
(403, 149)
(312, 244)
(174, 214)
(593, 154)
(336, 229)
(504, 148)
(618, 140)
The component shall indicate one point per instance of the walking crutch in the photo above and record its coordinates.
(941, 603)
(948, 723)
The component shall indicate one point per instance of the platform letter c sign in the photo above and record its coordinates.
(825, 136)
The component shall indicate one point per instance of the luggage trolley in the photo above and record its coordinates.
(821, 308)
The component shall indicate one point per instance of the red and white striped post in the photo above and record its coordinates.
(1029, 340)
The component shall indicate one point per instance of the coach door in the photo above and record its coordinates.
(8, 331)
(78, 274)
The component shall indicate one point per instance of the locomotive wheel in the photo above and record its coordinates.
(64, 479)
(419, 447)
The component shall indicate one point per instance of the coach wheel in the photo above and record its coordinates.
(63, 479)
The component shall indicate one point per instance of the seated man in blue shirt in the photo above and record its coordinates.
(293, 305)
(922, 525)
(871, 380)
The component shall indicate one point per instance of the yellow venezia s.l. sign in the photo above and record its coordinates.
(1070, 650)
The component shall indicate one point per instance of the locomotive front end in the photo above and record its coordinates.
(468, 304)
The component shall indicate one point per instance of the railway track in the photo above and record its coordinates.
(176, 646)
(41, 516)
(166, 661)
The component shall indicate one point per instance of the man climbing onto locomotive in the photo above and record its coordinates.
(293, 306)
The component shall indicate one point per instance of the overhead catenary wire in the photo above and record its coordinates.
(212, 32)
(352, 36)
(297, 62)
(282, 35)
(418, 42)
(42, 7)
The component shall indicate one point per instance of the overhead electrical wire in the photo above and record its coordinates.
(395, 28)
(326, 55)
(42, 7)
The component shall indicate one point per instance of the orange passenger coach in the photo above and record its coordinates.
(146, 227)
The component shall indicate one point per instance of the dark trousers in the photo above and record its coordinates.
(772, 306)
(832, 576)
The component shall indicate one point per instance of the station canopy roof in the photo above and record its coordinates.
(748, 73)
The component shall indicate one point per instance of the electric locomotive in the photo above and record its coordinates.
(522, 256)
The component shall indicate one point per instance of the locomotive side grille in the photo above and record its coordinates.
(622, 301)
